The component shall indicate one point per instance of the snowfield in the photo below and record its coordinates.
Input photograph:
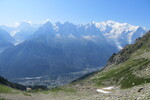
(105, 90)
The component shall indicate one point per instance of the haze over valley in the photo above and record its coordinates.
(61, 52)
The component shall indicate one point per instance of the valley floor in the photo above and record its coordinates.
(141, 92)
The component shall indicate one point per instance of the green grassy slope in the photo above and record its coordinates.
(5, 82)
(128, 68)
(5, 89)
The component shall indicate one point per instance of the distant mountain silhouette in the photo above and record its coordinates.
(5, 40)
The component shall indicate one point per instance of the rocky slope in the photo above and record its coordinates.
(128, 68)
(127, 71)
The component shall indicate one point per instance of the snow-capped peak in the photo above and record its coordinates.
(120, 33)
(114, 25)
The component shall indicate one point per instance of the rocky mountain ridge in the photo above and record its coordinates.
(119, 33)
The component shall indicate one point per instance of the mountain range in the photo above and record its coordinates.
(120, 33)
(58, 50)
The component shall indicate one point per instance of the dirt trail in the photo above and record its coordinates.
(135, 93)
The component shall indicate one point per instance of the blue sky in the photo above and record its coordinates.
(136, 12)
